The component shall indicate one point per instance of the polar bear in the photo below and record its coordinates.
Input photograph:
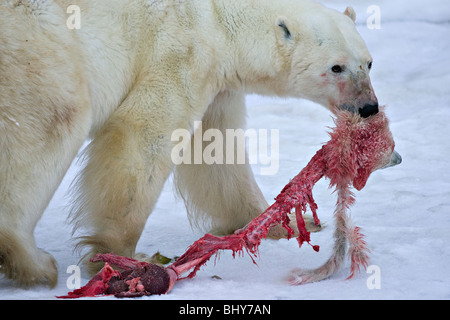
(132, 73)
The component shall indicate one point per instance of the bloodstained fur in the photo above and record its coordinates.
(357, 148)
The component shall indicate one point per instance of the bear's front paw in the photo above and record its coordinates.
(30, 270)
(279, 232)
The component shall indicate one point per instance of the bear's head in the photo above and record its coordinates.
(327, 60)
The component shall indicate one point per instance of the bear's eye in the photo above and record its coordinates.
(337, 69)
(369, 65)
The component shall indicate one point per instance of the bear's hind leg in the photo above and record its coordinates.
(44, 119)
(34, 157)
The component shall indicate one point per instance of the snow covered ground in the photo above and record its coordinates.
(404, 211)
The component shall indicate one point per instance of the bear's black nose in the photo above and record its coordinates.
(368, 110)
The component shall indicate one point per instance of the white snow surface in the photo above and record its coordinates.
(403, 211)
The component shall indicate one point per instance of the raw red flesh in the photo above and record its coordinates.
(136, 279)
(357, 147)
(297, 194)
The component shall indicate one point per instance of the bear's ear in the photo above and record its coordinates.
(349, 12)
(283, 31)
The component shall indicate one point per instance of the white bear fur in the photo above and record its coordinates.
(136, 71)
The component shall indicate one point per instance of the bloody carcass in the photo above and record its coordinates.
(357, 147)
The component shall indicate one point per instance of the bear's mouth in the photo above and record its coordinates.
(365, 111)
